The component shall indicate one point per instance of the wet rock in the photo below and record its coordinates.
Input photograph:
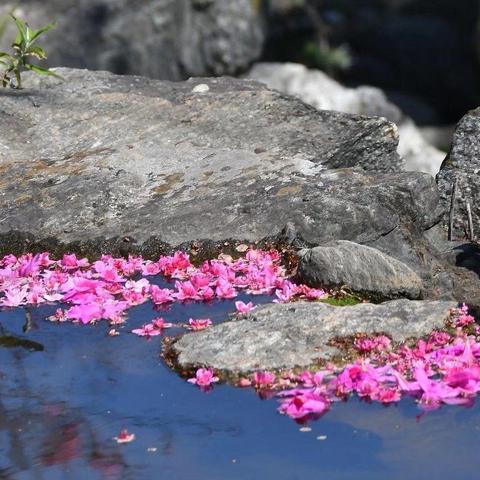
(462, 165)
(99, 156)
(363, 270)
(298, 335)
(159, 38)
(317, 89)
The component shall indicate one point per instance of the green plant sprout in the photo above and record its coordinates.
(24, 49)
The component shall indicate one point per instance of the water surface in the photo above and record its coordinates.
(64, 398)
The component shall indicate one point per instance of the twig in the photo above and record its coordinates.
(470, 222)
(452, 210)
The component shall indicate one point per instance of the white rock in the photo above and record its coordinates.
(201, 88)
(319, 90)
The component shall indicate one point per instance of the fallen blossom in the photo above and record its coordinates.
(263, 379)
(148, 330)
(244, 307)
(198, 324)
(204, 377)
(124, 437)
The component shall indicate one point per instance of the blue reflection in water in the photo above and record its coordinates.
(60, 408)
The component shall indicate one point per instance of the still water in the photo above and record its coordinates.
(64, 398)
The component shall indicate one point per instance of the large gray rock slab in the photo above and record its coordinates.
(168, 39)
(297, 335)
(100, 155)
(319, 90)
(101, 163)
(363, 270)
(462, 166)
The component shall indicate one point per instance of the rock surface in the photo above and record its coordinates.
(101, 163)
(463, 166)
(297, 335)
(100, 155)
(317, 89)
(363, 270)
(158, 38)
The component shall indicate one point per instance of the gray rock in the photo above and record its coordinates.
(100, 155)
(319, 90)
(361, 269)
(106, 164)
(297, 335)
(463, 165)
(156, 38)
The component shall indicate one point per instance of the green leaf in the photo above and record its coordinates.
(36, 51)
(43, 30)
(28, 34)
(22, 30)
(41, 70)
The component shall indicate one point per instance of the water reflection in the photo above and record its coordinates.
(60, 408)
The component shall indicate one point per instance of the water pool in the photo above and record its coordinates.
(64, 398)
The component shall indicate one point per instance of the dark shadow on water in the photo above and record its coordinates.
(10, 341)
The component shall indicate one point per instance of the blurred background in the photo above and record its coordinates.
(422, 56)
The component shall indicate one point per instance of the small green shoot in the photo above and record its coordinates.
(342, 300)
(24, 48)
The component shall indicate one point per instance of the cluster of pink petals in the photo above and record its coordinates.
(369, 345)
(109, 287)
(263, 379)
(152, 329)
(198, 324)
(204, 378)
(243, 307)
(445, 369)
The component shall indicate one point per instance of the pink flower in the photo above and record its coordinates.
(200, 280)
(148, 330)
(225, 289)
(204, 377)
(207, 294)
(311, 380)
(15, 297)
(107, 272)
(244, 307)
(124, 437)
(159, 323)
(186, 291)
(58, 316)
(114, 311)
(287, 292)
(150, 268)
(152, 329)
(199, 324)
(133, 297)
(170, 265)
(312, 293)
(71, 262)
(263, 379)
(160, 295)
(387, 395)
(464, 318)
(303, 405)
(85, 313)
(368, 345)
(28, 265)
